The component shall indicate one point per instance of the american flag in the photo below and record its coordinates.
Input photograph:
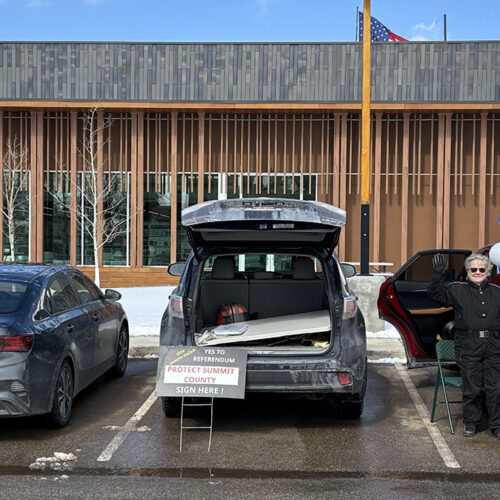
(379, 32)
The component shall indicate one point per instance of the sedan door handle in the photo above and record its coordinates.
(69, 328)
(95, 317)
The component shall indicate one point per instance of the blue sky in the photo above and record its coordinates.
(241, 20)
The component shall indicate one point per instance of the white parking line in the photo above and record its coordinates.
(116, 442)
(436, 436)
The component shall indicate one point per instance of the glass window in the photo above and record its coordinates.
(56, 219)
(116, 209)
(85, 290)
(187, 195)
(278, 263)
(11, 295)
(59, 296)
(272, 186)
(421, 268)
(20, 218)
(211, 187)
(157, 215)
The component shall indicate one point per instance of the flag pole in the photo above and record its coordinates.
(357, 24)
(444, 26)
(365, 143)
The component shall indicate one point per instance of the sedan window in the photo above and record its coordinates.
(11, 295)
(59, 296)
(86, 292)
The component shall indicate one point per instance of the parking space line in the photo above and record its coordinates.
(436, 436)
(116, 442)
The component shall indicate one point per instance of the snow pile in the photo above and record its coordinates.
(388, 333)
(60, 461)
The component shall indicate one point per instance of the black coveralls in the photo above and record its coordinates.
(477, 343)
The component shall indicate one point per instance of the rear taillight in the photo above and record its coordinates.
(16, 343)
(176, 309)
(344, 378)
(350, 307)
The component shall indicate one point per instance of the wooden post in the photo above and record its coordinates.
(100, 180)
(365, 141)
(482, 182)
(201, 154)
(439, 181)
(173, 187)
(404, 187)
(140, 190)
(376, 189)
(133, 188)
(447, 182)
(73, 188)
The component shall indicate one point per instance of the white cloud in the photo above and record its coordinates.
(424, 32)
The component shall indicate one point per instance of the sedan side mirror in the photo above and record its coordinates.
(112, 294)
(176, 268)
(348, 269)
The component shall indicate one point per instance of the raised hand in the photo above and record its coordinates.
(439, 263)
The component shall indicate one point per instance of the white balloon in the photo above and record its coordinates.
(495, 254)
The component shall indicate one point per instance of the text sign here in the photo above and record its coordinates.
(212, 372)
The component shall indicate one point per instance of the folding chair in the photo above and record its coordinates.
(445, 351)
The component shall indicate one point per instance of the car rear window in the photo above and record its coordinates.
(11, 295)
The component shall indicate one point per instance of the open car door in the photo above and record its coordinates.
(403, 302)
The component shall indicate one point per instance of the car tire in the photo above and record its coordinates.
(62, 401)
(121, 353)
(171, 407)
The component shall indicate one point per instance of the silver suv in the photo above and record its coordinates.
(273, 259)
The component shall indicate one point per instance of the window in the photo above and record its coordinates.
(187, 195)
(85, 290)
(11, 295)
(59, 296)
(421, 268)
(116, 207)
(56, 219)
(157, 216)
(21, 218)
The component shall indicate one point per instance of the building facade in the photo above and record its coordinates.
(177, 124)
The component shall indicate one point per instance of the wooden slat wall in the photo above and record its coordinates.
(452, 155)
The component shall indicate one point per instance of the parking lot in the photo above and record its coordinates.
(118, 425)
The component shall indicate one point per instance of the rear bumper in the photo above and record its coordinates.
(24, 389)
(304, 379)
(12, 405)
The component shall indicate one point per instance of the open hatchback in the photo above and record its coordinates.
(263, 276)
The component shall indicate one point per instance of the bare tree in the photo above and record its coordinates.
(15, 179)
(99, 196)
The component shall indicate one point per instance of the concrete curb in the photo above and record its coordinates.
(378, 349)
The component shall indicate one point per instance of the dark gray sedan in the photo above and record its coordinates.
(58, 333)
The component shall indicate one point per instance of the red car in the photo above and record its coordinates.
(403, 302)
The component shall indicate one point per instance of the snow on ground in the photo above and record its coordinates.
(145, 306)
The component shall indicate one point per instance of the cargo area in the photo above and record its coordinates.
(284, 295)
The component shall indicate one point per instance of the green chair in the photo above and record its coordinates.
(445, 351)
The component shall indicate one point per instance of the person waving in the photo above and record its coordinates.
(477, 336)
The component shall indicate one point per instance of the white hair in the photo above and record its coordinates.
(483, 258)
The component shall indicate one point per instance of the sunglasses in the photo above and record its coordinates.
(476, 269)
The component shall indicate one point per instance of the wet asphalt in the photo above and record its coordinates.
(266, 445)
